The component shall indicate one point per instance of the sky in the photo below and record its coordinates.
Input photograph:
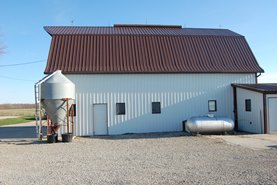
(25, 41)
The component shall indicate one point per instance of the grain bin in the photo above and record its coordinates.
(56, 92)
(209, 124)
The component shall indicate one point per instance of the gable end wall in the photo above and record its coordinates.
(181, 96)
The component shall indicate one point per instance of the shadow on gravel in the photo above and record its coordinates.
(158, 135)
(273, 146)
(20, 142)
(142, 136)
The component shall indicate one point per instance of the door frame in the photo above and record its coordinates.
(106, 117)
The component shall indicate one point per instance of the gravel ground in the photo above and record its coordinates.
(168, 158)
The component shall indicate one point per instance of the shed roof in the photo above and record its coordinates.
(148, 49)
(267, 88)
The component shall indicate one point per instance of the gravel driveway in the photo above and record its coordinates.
(169, 158)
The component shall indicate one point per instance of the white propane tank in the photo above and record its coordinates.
(209, 124)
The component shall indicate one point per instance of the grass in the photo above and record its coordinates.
(11, 121)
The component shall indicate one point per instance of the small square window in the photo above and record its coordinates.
(248, 105)
(212, 105)
(156, 107)
(120, 108)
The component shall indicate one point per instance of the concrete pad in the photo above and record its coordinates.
(252, 141)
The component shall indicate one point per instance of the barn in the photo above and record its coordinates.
(255, 107)
(149, 78)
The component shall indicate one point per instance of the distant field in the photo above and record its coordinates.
(25, 113)
(17, 106)
(17, 112)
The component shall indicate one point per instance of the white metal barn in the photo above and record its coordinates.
(149, 78)
(256, 107)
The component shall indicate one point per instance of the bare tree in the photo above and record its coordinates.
(2, 47)
(2, 50)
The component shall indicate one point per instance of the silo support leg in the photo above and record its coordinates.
(67, 116)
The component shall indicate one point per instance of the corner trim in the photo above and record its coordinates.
(265, 114)
(235, 108)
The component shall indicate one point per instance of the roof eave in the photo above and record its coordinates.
(255, 89)
(47, 30)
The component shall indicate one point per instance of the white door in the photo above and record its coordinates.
(100, 119)
(272, 114)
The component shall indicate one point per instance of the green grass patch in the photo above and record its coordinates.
(11, 121)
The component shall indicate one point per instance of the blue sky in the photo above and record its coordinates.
(22, 34)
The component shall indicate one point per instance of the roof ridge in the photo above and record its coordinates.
(146, 26)
(137, 30)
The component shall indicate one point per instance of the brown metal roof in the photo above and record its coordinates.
(148, 49)
(267, 88)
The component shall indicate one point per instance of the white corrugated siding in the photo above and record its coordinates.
(271, 97)
(181, 96)
(250, 121)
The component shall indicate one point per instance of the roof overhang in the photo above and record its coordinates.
(264, 88)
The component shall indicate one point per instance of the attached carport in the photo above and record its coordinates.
(255, 107)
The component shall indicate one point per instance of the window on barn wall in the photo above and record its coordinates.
(248, 105)
(212, 106)
(156, 107)
(120, 108)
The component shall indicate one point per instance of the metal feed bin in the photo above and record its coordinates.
(57, 94)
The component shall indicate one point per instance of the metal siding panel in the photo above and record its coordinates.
(66, 53)
(176, 54)
(270, 97)
(91, 53)
(70, 53)
(84, 46)
(117, 53)
(237, 54)
(74, 55)
(165, 51)
(152, 54)
(145, 61)
(160, 53)
(192, 61)
(81, 53)
(213, 54)
(178, 102)
(88, 49)
(206, 57)
(55, 54)
(255, 117)
(246, 54)
(184, 56)
(125, 64)
(50, 54)
(100, 61)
